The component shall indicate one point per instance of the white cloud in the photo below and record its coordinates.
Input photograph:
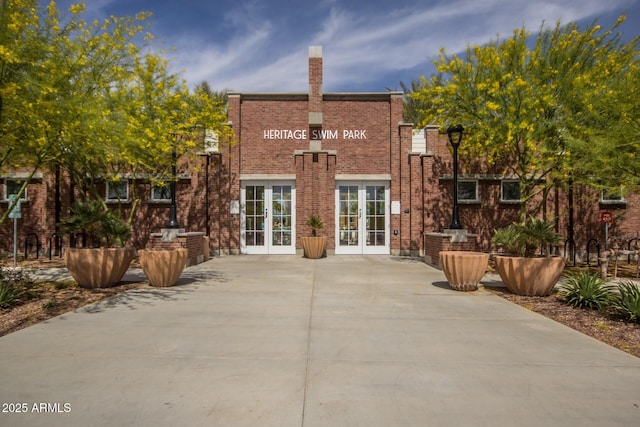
(260, 50)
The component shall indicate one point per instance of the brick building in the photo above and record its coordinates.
(379, 186)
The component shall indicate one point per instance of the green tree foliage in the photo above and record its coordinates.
(531, 111)
(222, 95)
(88, 99)
(21, 46)
(608, 108)
(413, 107)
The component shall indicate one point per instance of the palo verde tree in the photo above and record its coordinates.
(85, 98)
(162, 120)
(519, 104)
(21, 47)
(608, 107)
(54, 83)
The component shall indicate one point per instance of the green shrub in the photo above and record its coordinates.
(15, 285)
(8, 295)
(628, 303)
(587, 291)
(64, 284)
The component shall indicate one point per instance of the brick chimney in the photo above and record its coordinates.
(315, 86)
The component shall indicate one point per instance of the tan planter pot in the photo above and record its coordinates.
(163, 267)
(464, 269)
(530, 276)
(98, 268)
(314, 247)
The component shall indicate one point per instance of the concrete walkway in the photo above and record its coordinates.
(285, 341)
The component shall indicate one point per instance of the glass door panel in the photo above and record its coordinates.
(281, 223)
(254, 216)
(268, 218)
(362, 218)
(348, 216)
(376, 215)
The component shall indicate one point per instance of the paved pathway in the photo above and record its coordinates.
(285, 341)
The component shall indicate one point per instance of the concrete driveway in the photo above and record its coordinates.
(286, 341)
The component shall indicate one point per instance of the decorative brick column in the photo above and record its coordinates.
(448, 241)
(193, 241)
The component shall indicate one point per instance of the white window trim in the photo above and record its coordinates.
(5, 194)
(619, 201)
(153, 199)
(469, 201)
(116, 200)
(502, 199)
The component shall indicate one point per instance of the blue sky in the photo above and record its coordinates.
(368, 45)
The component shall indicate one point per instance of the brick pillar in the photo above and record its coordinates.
(315, 95)
(230, 177)
(315, 83)
(396, 165)
(315, 192)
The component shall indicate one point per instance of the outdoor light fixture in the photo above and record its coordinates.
(455, 136)
(173, 209)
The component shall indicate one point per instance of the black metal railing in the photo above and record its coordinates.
(30, 242)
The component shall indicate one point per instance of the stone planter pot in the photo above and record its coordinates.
(530, 276)
(98, 268)
(464, 269)
(314, 247)
(163, 267)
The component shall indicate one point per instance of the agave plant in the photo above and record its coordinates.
(14, 285)
(8, 295)
(588, 291)
(628, 303)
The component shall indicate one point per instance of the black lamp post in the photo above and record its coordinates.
(455, 136)
(173, 210)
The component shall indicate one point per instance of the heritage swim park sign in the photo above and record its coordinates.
(315, 134)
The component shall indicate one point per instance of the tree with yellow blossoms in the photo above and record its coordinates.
(533, 110)
(85, 98)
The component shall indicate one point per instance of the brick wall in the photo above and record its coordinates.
(315, 193)
(436, 243)
(421, 182)
(194, 242)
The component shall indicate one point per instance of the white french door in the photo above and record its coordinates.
(268, 218)
(362, 218)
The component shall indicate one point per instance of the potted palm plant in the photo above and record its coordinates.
(523, 270)
(314, 246)
(105, 261)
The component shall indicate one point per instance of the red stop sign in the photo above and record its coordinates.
(606, 217)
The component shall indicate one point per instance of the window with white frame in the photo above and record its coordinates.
(161, 192)
(510, 191)
(117, 191)
(612, 196)
(12, 187)
(468, 191)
